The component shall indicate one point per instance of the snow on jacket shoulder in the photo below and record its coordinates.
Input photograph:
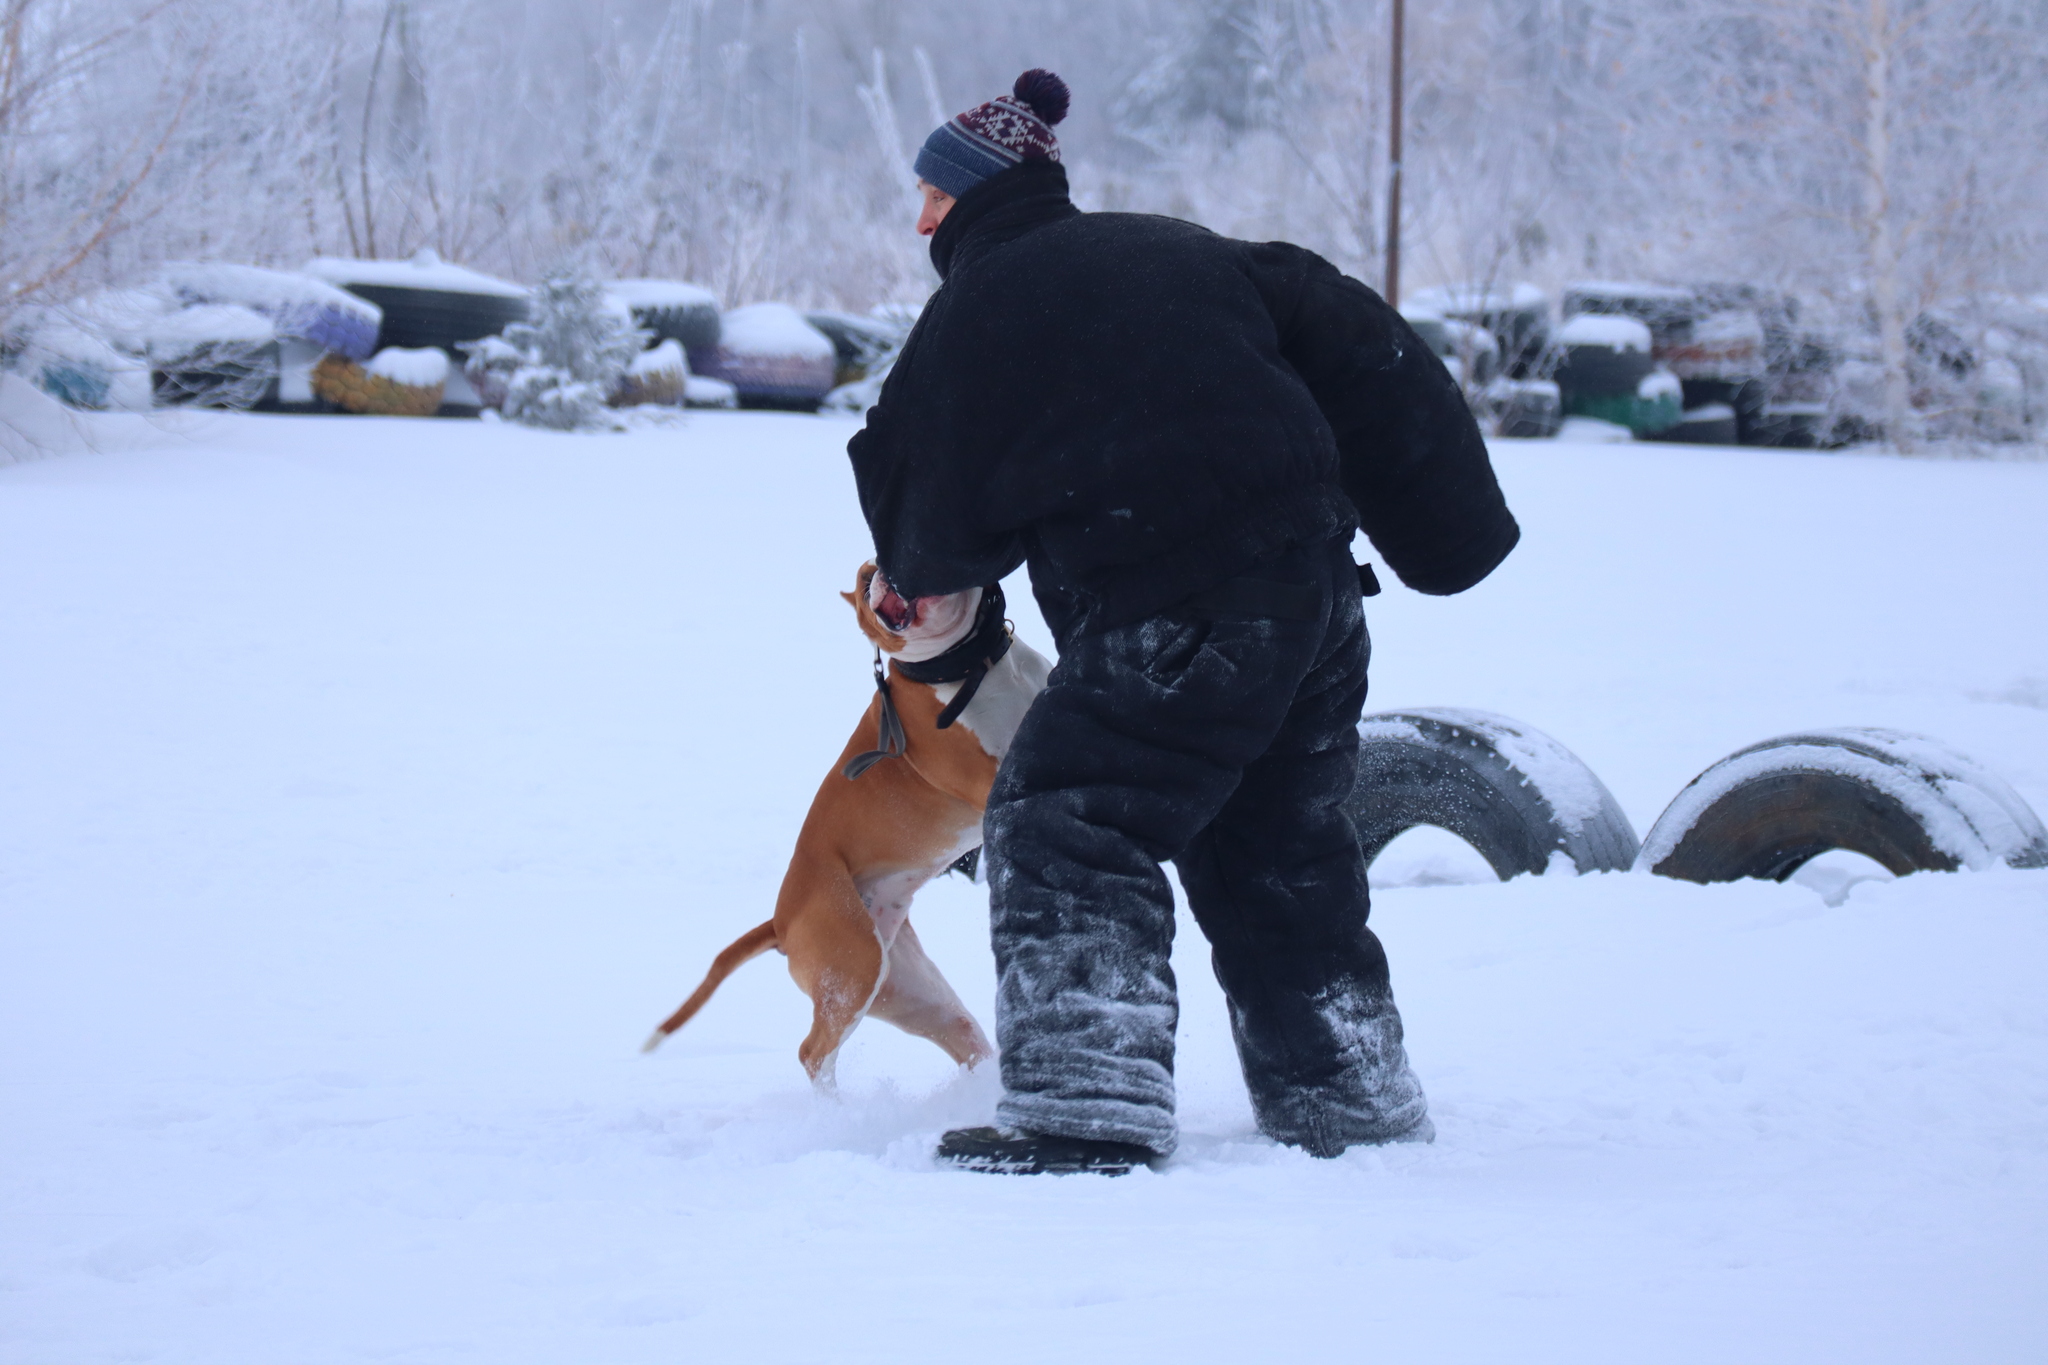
(1145, 408)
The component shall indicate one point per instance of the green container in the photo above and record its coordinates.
(1657, 405)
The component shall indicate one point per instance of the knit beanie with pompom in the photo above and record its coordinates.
(991, 138)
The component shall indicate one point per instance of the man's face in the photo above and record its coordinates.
(937, 204)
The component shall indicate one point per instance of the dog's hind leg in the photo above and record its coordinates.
(736, 954)
(838, 959)
(916, 998)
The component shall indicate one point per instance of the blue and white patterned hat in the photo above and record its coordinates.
(991, 138)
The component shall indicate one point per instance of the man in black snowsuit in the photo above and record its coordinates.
(1178, 432)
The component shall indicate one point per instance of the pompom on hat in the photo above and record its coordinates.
(991, 138)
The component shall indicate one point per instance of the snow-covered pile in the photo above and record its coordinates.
(1660, 383)
(1601, 329)
(772, 331)
(92, 352)
(419, 367)
(371, 790)
(659, 374)
(769, 354)
(663, 360)
(67, 357)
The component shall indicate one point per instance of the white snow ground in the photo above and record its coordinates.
(371, 786)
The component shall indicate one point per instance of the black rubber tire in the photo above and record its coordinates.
(693, 326)
(1722, 428)
(1901, 800)
(1748, 397)
(1700, 393)
(1515, 794)
(228, 374)
(438, 317)
(1602, 371)
(1531, 414)
(768, 402)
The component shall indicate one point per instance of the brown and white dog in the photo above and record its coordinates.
(894, 812)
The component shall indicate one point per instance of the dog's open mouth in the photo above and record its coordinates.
(898, 614)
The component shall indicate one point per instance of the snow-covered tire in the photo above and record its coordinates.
(1747, 398)
(442, 318)
(229, 374)
(1512, 792)
(693, 326)
(858, 343)
(1902, 800)
(774, 358)
(1601, 371)
(1527, 407)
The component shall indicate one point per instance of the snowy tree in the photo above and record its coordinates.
(572, 354)
(80, 140)
(1879, 158)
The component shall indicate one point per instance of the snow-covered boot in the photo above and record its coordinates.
(1013, 1151)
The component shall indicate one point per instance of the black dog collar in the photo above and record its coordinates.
(966, 663)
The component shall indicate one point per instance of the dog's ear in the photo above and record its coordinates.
(861, 578)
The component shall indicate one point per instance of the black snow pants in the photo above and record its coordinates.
(1224, 739)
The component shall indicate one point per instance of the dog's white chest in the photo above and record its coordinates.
(1002, 699)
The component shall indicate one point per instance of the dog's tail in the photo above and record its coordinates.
(737, 954)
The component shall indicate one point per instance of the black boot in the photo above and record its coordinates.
(1011, 1151)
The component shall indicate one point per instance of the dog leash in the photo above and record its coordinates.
(894, 741)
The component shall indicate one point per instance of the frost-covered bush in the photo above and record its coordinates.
(571, 355)
(863, 393)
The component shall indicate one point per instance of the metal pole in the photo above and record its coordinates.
(1393, 289)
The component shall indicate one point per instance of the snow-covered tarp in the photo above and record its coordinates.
(298, 304)
(176, 335)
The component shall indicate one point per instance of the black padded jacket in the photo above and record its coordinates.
(1143, 409)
